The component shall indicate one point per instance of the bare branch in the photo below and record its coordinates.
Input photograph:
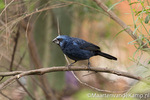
(113, 16)
(14, 49)
(42, 71)
(92, 87)
(2, 85)
(73, 68)
(2, 78)
(6, 6)
(58, 28)
(20, 61)
(5, 95)
(25, 89)
(37, 62)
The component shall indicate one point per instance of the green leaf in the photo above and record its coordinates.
(135, 29)
(120, 32)
(2, 5)
(147, 19)
(114, 5)
(148, 62)
(133, 41)
(138, 13)
(134, 3)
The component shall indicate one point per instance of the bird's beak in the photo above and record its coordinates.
(55, 41)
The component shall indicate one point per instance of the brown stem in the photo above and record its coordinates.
(41, 71)
(36, 61)
(113, 16)
(25, 89)
(14, 50)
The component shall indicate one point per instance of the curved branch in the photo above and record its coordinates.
(73, 68)
(41, 71)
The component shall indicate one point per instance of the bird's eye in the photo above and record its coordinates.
(59, 39)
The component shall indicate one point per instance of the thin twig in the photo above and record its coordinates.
(25, 89)
(92, 87)
(84, 83)
(2, 85)
(20, 60)
(113, 16)
(25, 15)
(58, 26)
(5, 95)
(6, 6)
(14, 50)
(2, 78)
(37, 62)
(35, 81)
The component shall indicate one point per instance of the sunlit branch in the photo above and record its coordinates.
(41, 71)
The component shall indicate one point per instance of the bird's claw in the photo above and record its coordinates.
(89, 65)
(69, 66)
(89, 68)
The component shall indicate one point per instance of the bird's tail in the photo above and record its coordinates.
(107, 56)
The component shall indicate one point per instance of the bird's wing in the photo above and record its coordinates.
(85, 45)
(89, 46)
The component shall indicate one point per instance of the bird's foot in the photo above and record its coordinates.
(89, 68)
(89, 65)
(69, 66)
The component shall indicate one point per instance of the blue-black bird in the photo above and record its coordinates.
(78, 49)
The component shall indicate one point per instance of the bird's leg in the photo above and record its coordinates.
(89, 63)
(71, 64)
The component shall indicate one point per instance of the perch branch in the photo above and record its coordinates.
(41, 71)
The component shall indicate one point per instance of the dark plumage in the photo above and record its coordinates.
(78, 49)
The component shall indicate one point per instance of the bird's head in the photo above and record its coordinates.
(60, 39)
